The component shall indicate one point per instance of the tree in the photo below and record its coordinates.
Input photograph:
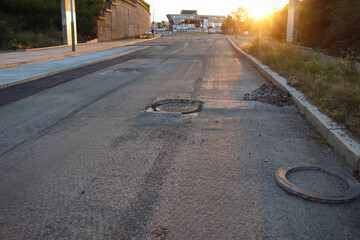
(314, 21)
(229, 25)
(343, 33)
(239, 17)
(278, 23)
(86, 10)
(330, 24)
(33, 15)
(25, 23)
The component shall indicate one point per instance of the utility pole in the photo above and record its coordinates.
(293, 19)
(68, 17)
(153, 32)
(72, 26)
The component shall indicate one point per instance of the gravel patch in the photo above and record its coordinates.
(271, 94)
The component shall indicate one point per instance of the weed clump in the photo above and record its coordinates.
(334, 86)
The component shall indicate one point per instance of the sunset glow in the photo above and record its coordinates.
(256, 8)
(261, 8)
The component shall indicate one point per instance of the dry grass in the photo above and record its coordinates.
(333, 86)
(33, 40)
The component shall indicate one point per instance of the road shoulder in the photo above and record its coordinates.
(335, 134)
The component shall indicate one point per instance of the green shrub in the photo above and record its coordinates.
(6, 34)
(36, 23)
(85, 12)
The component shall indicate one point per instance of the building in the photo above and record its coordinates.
(189, 20)
(123, 19)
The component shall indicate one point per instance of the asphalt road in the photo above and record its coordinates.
(83, 159)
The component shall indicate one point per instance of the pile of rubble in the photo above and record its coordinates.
(270, 94)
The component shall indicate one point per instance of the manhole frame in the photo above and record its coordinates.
(351, 194)
(199, 105)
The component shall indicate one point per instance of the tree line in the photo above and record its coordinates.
(36, 23)
(330, 24)
(325, 24)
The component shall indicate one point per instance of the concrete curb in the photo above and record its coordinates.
(71, 54)
(331, 131)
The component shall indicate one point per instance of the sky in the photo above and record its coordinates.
(257, 8)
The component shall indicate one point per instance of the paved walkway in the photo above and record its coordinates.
(242, 41)
(17, 67)
(11, 59)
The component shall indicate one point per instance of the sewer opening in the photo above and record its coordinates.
(177, 106)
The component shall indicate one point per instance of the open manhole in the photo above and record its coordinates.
(178, 106)
(352, 190)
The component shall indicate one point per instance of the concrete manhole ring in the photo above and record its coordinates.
(352, 192)
(178, 106)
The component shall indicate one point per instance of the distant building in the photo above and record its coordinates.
(114, 24)
(190, 20)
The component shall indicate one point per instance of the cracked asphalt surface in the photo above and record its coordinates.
(82, 159)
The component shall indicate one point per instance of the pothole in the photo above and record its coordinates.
(160, 233)
(127, 70)
(271, 94)
(182, 106)
(317, 183)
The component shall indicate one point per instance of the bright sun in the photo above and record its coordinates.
(262, 8)
(259, 13)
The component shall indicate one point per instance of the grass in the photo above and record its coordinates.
(32, 40)
(333, 86)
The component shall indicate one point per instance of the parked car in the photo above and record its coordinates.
(146, 34)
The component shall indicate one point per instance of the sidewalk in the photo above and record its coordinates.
(16, 58)
(242, 41)
(19, 67)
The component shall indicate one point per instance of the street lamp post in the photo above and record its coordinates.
(153, 18)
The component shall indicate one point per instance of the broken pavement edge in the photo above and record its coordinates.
(345, 145)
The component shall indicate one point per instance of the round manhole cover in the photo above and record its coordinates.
(350, 194)
(178, 106)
